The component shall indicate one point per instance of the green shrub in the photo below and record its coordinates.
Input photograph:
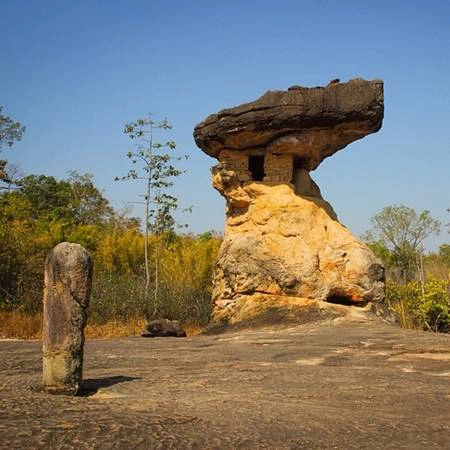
(426, 307)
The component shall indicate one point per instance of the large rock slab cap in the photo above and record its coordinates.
(311, 123)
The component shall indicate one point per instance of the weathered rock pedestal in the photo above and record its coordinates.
(68, 280)
(283, 246)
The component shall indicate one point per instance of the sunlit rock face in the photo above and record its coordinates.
(282, 239)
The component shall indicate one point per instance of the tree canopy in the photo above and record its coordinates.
(76, 199)
(402, 231)
(10, 132)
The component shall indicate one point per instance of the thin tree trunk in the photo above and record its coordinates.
(422, 273)
(147, 213)
(157, 253)
(147, 217)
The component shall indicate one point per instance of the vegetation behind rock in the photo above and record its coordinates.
(76, 210)
(30, 227)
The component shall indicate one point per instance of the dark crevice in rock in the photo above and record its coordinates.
(343, 300)
(256, 167)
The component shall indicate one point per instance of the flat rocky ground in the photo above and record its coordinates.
(339, 385)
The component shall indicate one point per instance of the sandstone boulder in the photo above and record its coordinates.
(281, 244)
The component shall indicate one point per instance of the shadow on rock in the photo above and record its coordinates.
(91, 386)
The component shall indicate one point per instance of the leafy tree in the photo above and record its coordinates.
(49, 198)
(402, 231)
(152, 163)
(75, 200)
(89, 206)
(448, 224)
(444, 254)
(382, 252)
(15, 244)
(10, 132)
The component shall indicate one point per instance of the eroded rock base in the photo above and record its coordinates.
(280, 245)
(260, 310)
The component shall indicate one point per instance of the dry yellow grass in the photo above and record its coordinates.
(14, 325)
(192, 329)
(111, 329)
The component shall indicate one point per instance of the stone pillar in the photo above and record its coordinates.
(237, 162)
(305, 185)
(68, 280)
(278, 168)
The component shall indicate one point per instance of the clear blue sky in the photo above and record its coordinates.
(75, 71)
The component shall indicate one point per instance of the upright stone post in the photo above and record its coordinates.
(68, 281)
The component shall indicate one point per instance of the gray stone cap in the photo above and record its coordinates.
(312, 123)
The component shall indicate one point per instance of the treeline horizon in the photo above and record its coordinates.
(41, 212)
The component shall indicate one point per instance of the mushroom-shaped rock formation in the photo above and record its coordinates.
(283, 243)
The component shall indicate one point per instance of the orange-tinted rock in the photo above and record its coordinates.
(283, 244)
